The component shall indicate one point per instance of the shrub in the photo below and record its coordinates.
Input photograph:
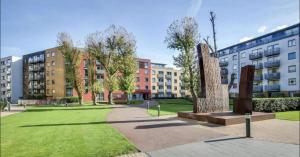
(258, 95)
(71, 99)
(277, 95)
(3, 104)
(297, 94)
(276, 104)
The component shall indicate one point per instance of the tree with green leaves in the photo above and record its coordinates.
(72, 56)
(108, 48)
(128, 70)
(183, 36)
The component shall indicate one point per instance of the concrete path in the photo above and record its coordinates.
(229, 147)
(14, 109)
(152, 133)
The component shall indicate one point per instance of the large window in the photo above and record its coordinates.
(243, 54)
(292, 81)
(292, 55)
(234, 57)
(292, 43)
(292, 68)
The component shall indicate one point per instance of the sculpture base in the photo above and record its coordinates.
(225, 118)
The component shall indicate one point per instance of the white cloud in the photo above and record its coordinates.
(278, 28)
(194, 8)
(262, 29)
(245, 39)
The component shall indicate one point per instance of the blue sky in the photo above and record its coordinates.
(32, 25)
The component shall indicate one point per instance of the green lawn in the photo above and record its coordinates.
(61, 132)
(171, 106)
(289, 115)
(136, 102)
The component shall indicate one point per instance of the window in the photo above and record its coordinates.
(175, 80)
(234, 57)
(48, 82)
(153, 72)
(292, 81)
(175, 88)
(53, 63)
(53, 54)
(137, 79)
(48, 55)
(53, 91)
(146, 65)
(48, 64)
(234, 67)
(146, 79)
(153, 80)
(292, 55)
(153, 87)
(243, 55)
(146, 71)
(292, 43)
(175, 73)
(292, 68)
(137, 87)
(146, 87)
(53, 82)
(52, 72)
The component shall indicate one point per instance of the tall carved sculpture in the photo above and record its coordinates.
(243, 104)
(213, 95)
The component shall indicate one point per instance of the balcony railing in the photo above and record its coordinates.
(258, 66)
(272, 64)
(224, 71)
(168, 90)
(224, 81)
(168, 76)
(258, 77)
(271, 52)
(257, 88)
(160, 75)
(255, 56)
(272, 88)
(160, 83)
(272, 76)
(168, 83)
(160, 90)
(223, 63)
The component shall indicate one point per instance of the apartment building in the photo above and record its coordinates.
(276, 59)
(166, 82)
(11, 78)
(143, 80)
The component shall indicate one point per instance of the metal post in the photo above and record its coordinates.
(158, 110)
(8, 105)
(147, 105)
(248, 125)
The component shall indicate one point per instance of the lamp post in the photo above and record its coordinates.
(248, 125)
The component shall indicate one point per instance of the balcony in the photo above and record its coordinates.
(255, 56)
(224, 71)
(258, 78)
(257, 88)
(168, 76)
(160, 90)
(8, 87)
(182, 91)
(8, 72)
(160, 83)
(272, 52)
(223, 63)
(224, 81)
(160, 75)
(272, 88)
(100, 71)
(259, 66)
(272, 64)
(272, 76)
(168, 83)
(169, 90)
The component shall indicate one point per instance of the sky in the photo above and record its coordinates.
(32, 25)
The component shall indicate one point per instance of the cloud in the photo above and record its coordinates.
(278, 28)
(262, 29)
(245, 39)
(194, 8)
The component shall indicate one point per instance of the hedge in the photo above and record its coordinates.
(3, 104)
(276, 104)
(70, 99)
(277, 95)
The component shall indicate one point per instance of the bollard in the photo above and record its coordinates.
(158, 110)
(248, 125)
(147, 105)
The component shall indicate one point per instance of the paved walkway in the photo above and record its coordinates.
(230, 147)
(13, 110)
(152, 133)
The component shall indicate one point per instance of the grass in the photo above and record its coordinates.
(61, 132)
(171, 106)
(136, 102)
(289, 115)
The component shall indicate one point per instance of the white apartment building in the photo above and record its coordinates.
(276, 59)
(11, 78)
(166, 82)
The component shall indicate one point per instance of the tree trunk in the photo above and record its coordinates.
(194, 96)
(93, 97)
(128, 98)
(110, 101)
(80, 99)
